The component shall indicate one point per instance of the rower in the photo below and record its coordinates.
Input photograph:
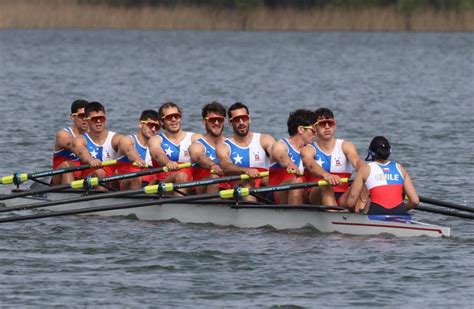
(97, 145)
(170, 147)
(287, 167)
(245, 152)
(203, 151)
(336, 156)
(63, 155)
(386, 181)
(133, 153)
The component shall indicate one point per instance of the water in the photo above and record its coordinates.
(415, 88)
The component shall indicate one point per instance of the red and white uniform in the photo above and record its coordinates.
(385, 184)
(335, 163)
(61, 155)
(177, 153)
(125, 166)
(278, 174)
(104, 152)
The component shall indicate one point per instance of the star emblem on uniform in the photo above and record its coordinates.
(320, 162)
(292, 159)
(237, 159)
(94, 153)
(211, 157)
(168, 151)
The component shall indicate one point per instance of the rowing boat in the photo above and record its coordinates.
(245, 215)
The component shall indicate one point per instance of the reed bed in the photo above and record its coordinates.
(70, 14)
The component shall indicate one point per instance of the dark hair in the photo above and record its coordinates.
(93, 107)
(77, 105)
(324, 112)
(149, 114)
(300, 117)
(213, 107)
(236, 105)
(379, 148)
(168, 105)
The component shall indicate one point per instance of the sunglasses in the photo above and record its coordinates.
(216, 119)
(170, 117)
(309, 128)
(151, 125)
(237, 119)
(78, 115)
(96, 119)
(323, 122)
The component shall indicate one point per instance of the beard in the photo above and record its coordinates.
(212, 132)
(241, 132)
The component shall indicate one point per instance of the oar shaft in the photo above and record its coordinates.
(446, 204)
(67, 170)
(444, 212)
(34, 192)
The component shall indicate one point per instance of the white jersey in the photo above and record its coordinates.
(253, 155)
(177, 153)
(104, 152)
(335, 162)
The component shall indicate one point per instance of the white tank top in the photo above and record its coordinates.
(177, 153)
(251, 156)
(104, 152)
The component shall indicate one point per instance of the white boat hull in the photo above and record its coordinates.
(254, 216)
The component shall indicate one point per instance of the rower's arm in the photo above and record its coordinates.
(80, 149)
(267, 141)
(127, 148)
(352, 155)
(223, 155)
(116, 141)
(280, 154)
(409, 189)
(356, 187)
(158, 154)
(197, 152)
(307, 157)
(64, 140)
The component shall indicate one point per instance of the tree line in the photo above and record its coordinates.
(404, 5)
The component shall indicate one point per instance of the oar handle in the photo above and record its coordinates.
(169, 186)
(95, 181)
(230, 193)
(22, 177)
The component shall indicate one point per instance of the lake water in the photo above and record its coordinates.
(415, 88)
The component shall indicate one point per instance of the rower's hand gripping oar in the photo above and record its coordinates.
(152, 189)
(225, 194)
(89, 182)
(19, 178)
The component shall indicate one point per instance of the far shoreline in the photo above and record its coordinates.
(68, 14)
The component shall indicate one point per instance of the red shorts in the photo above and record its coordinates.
(58, 160)
(127, 167)
(188, 171)
(109, 171)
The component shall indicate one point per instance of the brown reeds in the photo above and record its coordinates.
(70, 14)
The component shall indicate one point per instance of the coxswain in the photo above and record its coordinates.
(387, 182)
(99, 144)
(63, 156)
(203, 151)
(246, 152)
(336, 156)
(170, 147)
(133, 153)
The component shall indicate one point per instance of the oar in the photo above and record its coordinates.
(19, 178)
(225, 194)
(444, 212)
(153, 189)
(89, 182)
(427, 200)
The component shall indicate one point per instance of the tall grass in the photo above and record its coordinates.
(71, 14)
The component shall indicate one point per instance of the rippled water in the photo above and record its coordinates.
(415, 88)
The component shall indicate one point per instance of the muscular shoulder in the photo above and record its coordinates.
(196, 136)
(348, 147)
(266, 140)
(279, 147)
(307, 151)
